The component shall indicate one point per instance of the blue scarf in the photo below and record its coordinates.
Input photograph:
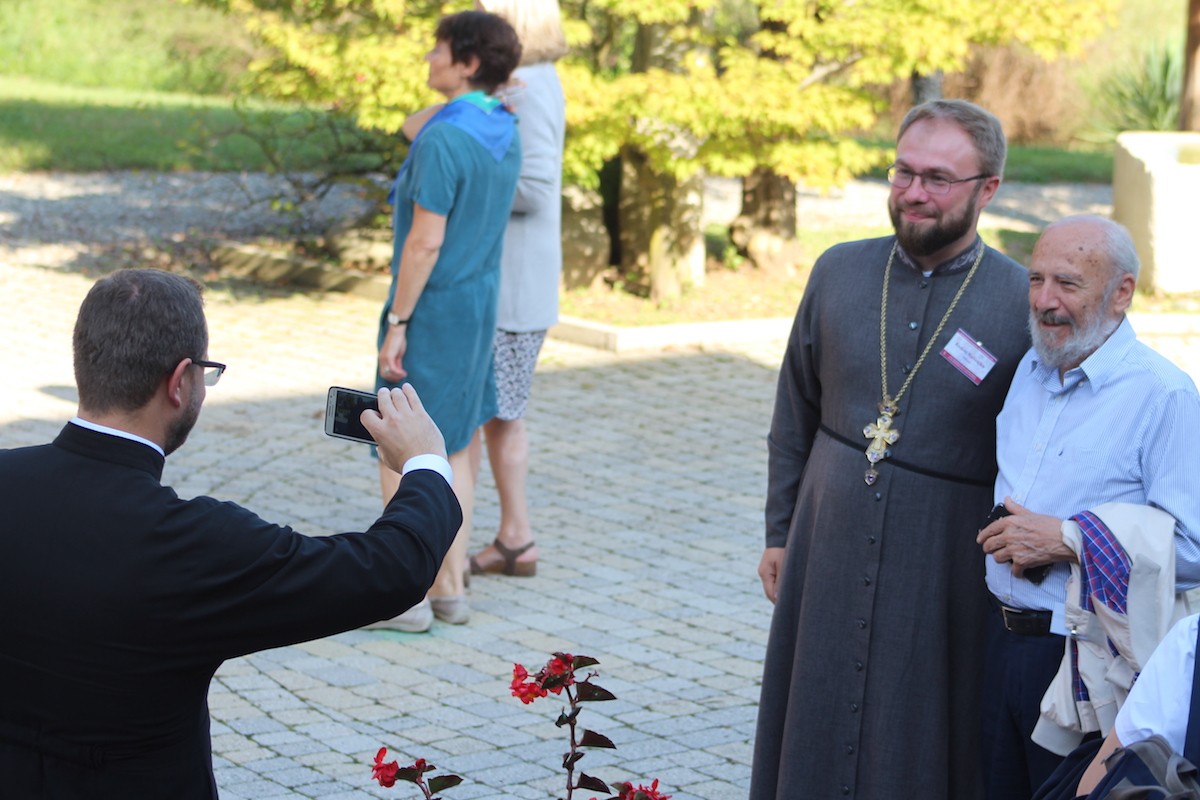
(483, 117)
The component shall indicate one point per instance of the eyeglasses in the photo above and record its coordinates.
(212, 371)
(903, 178)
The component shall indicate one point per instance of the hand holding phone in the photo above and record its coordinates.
(1034, 575)
(343, 413)
(394, 419)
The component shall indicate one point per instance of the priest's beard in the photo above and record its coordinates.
(178, 432)
(1085, 337)
(947, 228)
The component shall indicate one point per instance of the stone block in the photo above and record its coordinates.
(1155, 179)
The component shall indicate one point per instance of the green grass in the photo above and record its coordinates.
(47, 126)
(1055, 165)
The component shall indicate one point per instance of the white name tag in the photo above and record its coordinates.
(969, 356)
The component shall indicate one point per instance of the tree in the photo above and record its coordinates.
(771, 89)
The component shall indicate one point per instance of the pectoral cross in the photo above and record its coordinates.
(882, 436)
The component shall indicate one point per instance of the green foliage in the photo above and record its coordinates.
(126, 44)
(720, 85)
(1142, 95)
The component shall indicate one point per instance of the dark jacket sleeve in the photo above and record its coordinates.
(796, 418)
(256, 585)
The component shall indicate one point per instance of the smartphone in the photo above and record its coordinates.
(1034, 575)
(343, 407)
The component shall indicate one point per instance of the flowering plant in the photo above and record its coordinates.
(559, 676)
(387, 775)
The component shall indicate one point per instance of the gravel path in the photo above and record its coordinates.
(60, 219)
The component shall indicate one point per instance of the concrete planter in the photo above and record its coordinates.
(1155, 180)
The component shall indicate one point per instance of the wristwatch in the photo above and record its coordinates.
(394, 320)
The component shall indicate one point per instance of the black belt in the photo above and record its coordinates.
(1022, 621)
(895, 462)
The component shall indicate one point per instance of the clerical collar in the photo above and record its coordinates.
(133, 437)
(958, 263)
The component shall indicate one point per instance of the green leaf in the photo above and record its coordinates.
(593, 739)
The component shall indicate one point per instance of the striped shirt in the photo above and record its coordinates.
(1121, 427)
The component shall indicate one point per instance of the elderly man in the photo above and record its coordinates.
(121, 599)
(882, 458)
(1093, 416)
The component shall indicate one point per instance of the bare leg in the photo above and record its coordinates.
(508, 453)
(449, 581)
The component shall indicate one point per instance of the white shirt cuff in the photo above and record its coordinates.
(429, 461)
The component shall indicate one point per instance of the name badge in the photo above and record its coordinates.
(969, 357)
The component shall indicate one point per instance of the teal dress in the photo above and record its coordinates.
(463, 166)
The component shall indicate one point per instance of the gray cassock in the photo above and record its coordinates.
(872, 678)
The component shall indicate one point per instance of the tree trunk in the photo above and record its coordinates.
(660, 228)
(765, 231)
(926, 87)
(1189, 98)
(659, 215)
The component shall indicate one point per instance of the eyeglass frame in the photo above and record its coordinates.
(925, 177)
(210, 378)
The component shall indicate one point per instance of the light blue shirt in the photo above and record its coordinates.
(1121, 427)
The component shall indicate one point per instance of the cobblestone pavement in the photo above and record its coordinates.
(646, 490)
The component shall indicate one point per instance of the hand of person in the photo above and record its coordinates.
(768, 571)
(391, 353)
(402, 428)
(1024, 539)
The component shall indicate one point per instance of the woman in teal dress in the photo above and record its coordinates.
(452, 200)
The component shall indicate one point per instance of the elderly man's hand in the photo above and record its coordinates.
(402, 428)
(1024, 539)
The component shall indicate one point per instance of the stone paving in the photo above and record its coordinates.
(646, 490)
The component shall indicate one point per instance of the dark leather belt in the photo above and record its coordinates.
(1022, 621)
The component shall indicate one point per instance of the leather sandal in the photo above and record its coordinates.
(508, 565)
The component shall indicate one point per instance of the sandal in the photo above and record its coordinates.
(508, 565)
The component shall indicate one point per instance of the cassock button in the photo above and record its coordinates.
(858, 666)
(870, 540)
(862, 623)
(924, 284)
(845, 790)
(854, 707)
(849, 749)
(907, 368)
(878, 496)
(912, 326)
(866, 581)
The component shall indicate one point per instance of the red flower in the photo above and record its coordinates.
(630, 792)
(384, 773)
(559, 665)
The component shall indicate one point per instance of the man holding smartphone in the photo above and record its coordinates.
(122, 599)
(1093, 416)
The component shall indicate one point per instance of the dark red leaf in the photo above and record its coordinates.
(444, 782)
(588, 782)
(593, 739)
(591, 692)
(407, 774)
(582, 662)
(570, 759)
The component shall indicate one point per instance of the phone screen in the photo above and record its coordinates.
(342, 412)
